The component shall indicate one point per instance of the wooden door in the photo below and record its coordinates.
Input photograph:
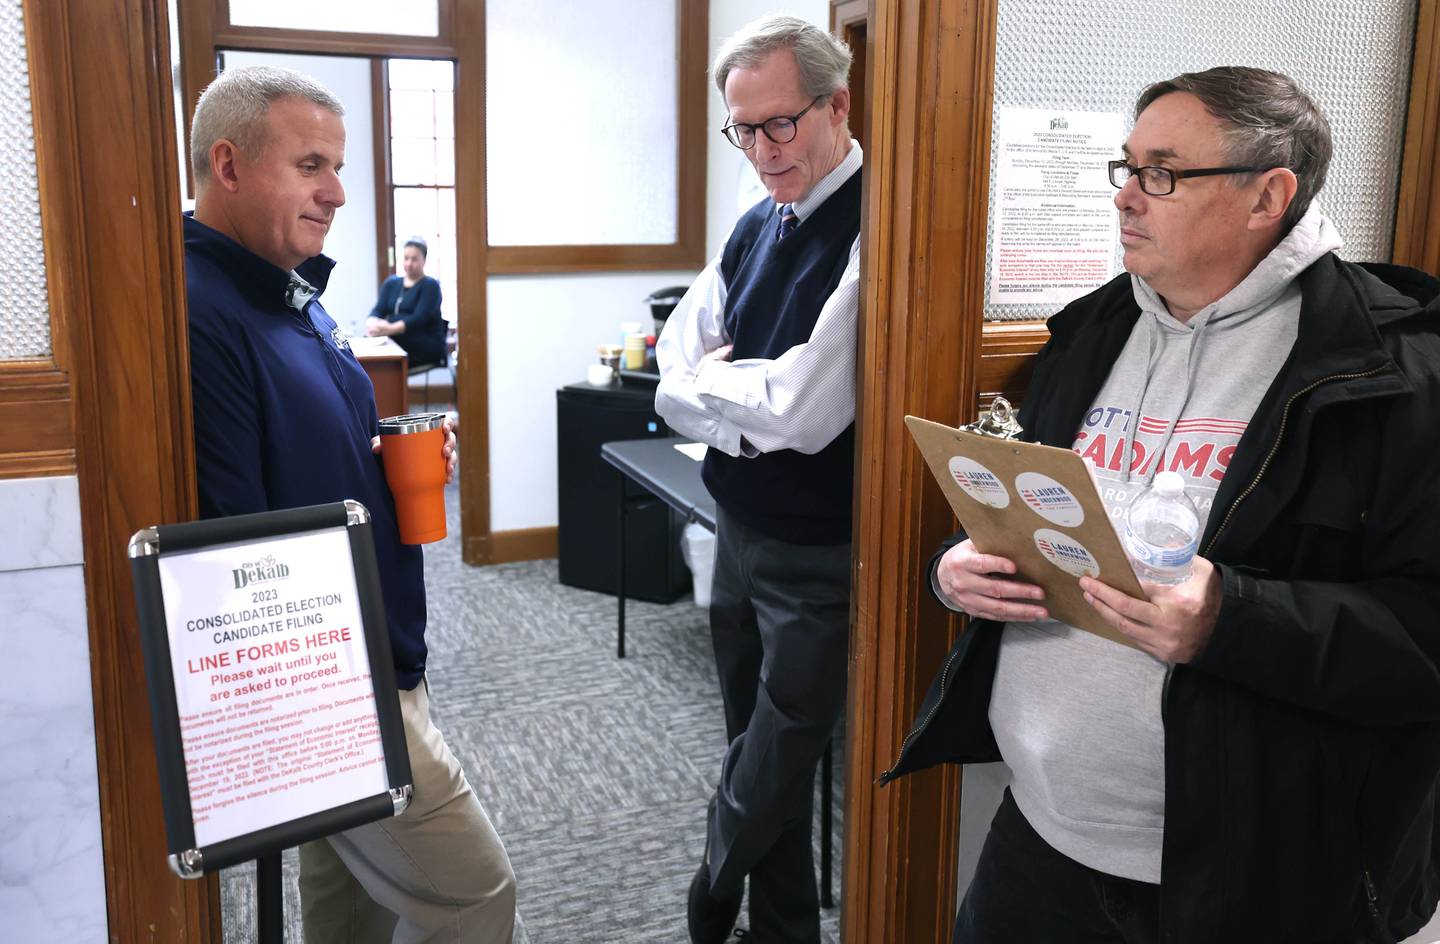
(849, 20)
(929, 75)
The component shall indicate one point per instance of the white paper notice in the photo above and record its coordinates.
(1055, 225)
(272, 682)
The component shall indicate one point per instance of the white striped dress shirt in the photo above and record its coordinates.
(800, 400)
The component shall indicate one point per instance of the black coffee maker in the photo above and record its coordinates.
(661, 302)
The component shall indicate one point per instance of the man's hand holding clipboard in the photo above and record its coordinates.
(1041, 544)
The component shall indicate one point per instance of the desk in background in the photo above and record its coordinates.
(586, 418)
(669, 475)
(387, 366)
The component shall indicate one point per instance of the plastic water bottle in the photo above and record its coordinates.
(1162, 531)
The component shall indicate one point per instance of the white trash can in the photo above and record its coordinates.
(697, 543)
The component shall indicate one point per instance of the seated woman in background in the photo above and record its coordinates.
(409, 309)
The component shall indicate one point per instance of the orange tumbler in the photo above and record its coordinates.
(415, 469)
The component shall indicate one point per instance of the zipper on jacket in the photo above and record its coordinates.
(331, 364)
(1371, 897)
(1275, 446)
(924, 722)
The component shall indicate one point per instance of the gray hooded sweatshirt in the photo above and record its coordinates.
(1077, 717)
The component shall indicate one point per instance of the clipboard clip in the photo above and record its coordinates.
(998, 422)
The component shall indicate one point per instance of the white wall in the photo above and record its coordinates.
(543, 329)
(542, 334)
(52, 878)
(353, 284)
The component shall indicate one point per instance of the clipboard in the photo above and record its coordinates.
(1034, 504)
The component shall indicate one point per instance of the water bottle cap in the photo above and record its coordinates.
(1169, 484)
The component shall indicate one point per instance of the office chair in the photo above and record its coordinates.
(448, 362)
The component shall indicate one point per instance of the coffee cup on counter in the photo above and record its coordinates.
(635, 351)
(415, 469)
(610, 355)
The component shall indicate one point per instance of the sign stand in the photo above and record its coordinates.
(269, 900)
(273, 703)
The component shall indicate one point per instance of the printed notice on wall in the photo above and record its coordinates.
(1055, 225)
(272, 681)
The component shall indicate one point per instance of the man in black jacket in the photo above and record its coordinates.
(1261, 765)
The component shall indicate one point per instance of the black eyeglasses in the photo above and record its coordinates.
(781, 129)
(1160, 181)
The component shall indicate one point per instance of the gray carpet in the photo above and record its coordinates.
(595, 770)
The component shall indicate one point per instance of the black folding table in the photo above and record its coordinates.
(669, 475)
(674, 478)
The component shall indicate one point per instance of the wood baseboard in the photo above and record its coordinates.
(524, 544)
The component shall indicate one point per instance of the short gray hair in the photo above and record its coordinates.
(824, 61)
(234, 106)
(1269, 121)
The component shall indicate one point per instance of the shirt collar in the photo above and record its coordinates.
(267, 281)
(830, 183)
(299, 292)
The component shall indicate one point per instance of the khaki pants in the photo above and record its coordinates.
(438, 872)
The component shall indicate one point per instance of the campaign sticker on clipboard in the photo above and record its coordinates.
(1066, 553)
(979, 482)
(1049, 499)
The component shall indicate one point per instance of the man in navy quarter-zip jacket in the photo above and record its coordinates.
(285, 417)
(1262, 765)
(758, 361)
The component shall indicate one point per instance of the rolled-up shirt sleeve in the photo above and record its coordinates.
(804, 398)
(694, 328)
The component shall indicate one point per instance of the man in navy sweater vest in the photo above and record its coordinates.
(758, 362)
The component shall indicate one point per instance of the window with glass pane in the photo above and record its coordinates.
(582, 122)
(422, 166)
(411, 18)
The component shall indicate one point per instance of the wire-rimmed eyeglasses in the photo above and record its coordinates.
(781, 129)
(1160, 181)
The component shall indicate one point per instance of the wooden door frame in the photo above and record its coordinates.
(110, 206)
(461, 40)
(1417, 209)
(204, 29)
(845, 14)
(931, 75)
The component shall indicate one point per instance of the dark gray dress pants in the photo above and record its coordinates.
(779, 617)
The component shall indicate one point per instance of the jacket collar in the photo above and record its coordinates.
(1338, 357)
(262, 281)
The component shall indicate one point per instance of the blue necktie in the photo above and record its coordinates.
(788, 221)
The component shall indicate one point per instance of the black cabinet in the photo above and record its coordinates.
(586, 418)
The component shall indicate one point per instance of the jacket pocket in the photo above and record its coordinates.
(1325, 535)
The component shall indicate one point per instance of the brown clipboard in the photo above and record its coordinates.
(1036, 505)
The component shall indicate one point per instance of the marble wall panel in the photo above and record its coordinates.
(52, 883)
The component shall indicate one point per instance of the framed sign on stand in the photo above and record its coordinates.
(272, 689)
